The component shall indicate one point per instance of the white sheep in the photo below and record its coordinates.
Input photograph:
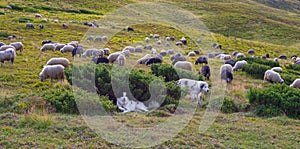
(130, 48)
(126, 53)
(276, 60)
(52, 72)
(104, 38)
(226, 73)
(277, 69)
(191, 54)
(18, 46)
(138, 49)
(144, 59)
(148, 47)
(48, 46)
(67, 48)
(296, 84)
(97, 53)
(56, 61)
(4, 47)
(113, 57)
(159, 42)
(147, 40)
(184, 65)
(73, 43)
(121, 60)
(239, 65)
(163, 53)
(8, 55)
(59, 46)
(55, 21)
(273, 77)
(224, 56)
(106, 51)
(170, 51)
(239, 55)
(153, 51)
(38, 15)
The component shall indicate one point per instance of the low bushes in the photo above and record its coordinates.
(255, 70)
(251, 60)
(274, 100)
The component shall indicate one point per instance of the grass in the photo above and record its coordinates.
(236, 25)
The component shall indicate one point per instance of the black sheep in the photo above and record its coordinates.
(201, 60)
(282, 57)
(100, 60)
(230, 62)
(46, 41)
(205, 71)
(130, 29)
(153, 60)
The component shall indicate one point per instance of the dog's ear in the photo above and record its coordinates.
(202, 85)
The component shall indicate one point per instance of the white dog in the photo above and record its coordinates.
(195, 87)
(126, 105)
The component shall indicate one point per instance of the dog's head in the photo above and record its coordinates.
(204, 87)
(123, 100)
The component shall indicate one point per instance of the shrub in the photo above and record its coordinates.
(293, 66)
(255, 70)
(288, 77)
(16, 7)
(251, 60)
(24, 20)
(275, 99)
(229, 106)
(4, 34)
(36, 121)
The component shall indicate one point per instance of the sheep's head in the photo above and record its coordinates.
(42, 77)
(281, 81)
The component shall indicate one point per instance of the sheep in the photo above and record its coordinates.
(184, 65)
(151, 36)
(97, 53)
(41, 26)
(293, 57)
(104, 38)
(52, 72)
(191, 54)
(48, 46)
(239, 55)
(234, 53)
(121, 60)
(67, 48)
(38, 15)
(144, 59)
(183, 40)
(216, 46)
(46, 41)
(224, 56)
(98, 39)
(64, 25)
(113, 57)
(78, 50)
(179, 43)
(170, 51)
(168, 38)
(210, 55)
(163, 53)
(147, 40)
(90, 38)
(2, 44)
(197, 52)
(201, 60)
(226, 73)
(267, 55)
(158, 56)
(172, 38)
(251, 51)
(29, 25)
(88, 53)
(177, 59)
(230, 62)
(167, 44)
(59, 46)
(296, 84)
(175, 55)
(239, 65)
(100, 60)
(106, 51)
(153, 60)
(297, 62)
(126, 53)
(130, 29)
(18, 46)
(59, 61)
(205, 71)
(199, 41)
(153, 51)
(159, 42)
(55, 21)
(148, 47)
(277, 69)
(282, 57)
(263, 57)
(8, 55)
(130, 48)
(4, 47)
(273, 77)
(73, 43)
(138, 49)
(156, 36)
(44, 20)
(276, 60)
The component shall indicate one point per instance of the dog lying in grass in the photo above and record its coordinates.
(195, 87)
(126, 105)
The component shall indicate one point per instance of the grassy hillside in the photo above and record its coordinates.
(26, 119)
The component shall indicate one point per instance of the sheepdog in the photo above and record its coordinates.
(195, 87)
(126, 105)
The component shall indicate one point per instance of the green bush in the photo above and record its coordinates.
(172, 74)
(293, 66)
(275, 99)
(255, 70)
(288, 78)
(251, 60)
(24, 20)
(4, 34)
(16, 7)
(229, 106)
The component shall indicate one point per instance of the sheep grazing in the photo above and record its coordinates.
(148, 47)
(199, 41)
(197, 52)
(276, 60)
(267, 55)
(226, 73)
(64, 25)
(230, 62)
(127, 53)
(8, 55)
(172, 38)
(239, 55)
(41, 26)
(239, 65)
(184, 65)
(48, 46)
(158, 56)
(296, 84)
(52, 72)
(153, 61)
(44, 20)
(138, 49)
(277, 69)
(282, 57)
(167, 44)
(59, 46)
(210, 55)
(179, 43)
(130, 48)
(293, 57)
(2, 44)
(151, 36)
(113, 57)
(97, 53)
(100, 60)
(234, 53)
(168, 38)
(183, 40)
(170, 51)
(191, 54)
(156, 36)
(251, 51)
(18, 46)
(67, 48)
(177, 59)
(205, 71)
(224, 56)
(121, 60)
(29, 25)
(4, 47)
(38, 15)
(144, 59)
(263, 57)
(147, 40)
(59, 61)
(201, 60)
(98, 39)
(273, 77)
(216, 46)
(78, 50)
(55, 21)
(130, 29)
(90, 38)
(163, 53)
(46, 41)
(159, 42)
(73, 43)
(153, 51)
(107, 51)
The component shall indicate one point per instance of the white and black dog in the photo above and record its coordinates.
(195, 87)
(126, 105)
